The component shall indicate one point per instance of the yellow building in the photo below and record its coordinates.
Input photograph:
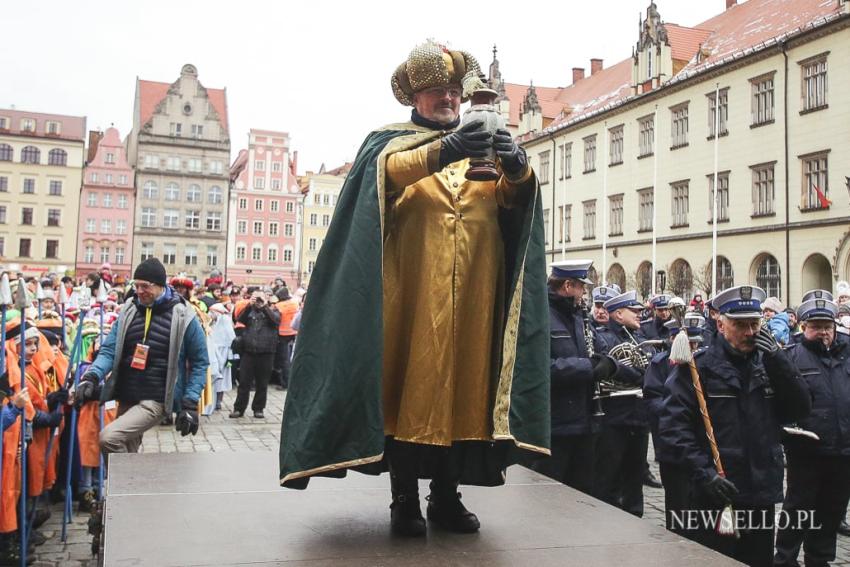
(320, 196)
(41, 168)
(634, 150)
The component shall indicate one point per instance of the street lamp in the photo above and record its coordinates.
(661, 281)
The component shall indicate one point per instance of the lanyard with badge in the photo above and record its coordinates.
(140, 355)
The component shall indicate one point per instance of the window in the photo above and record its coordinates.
(169, 253)
(590, 154)
(257, 228)
(815, 182)
(566, 160)
(109, 179)
(122, 202)
(4, 184)
(6, 152)
(274, 206)
(51, 249)
(725, 277)
(216, 167)
(712, 112)
(543, 170)
(120, 226)
(763, 189)
(173, 163)
(277, 166)
(274, 228)
(214, 221)
(55, 187)
(646, 136)
(326, 220)
(546, 225)
(110, 157)
(152, 161)
(193, 220)
(258, 204)
(615, 220)
(326, 200)
(317, 199)
(170, 218)
(240, 252)
(197, 131)
(679, 126)
(256, 253)
(241, 227)
(290, 206)
(2, 215)
(57, 157)
(53, 128)
(93, 177)
(172, 192)
(259, 183)
(310, 265)
(288, 229)
(287, 255)
(119, 255)
(589, 219)
(271, 254)
(54, 217)
(214, 195)
(679, 205)
(615, 143)
(24, 246)
(26, 215)
(314, 219)
(193, 194)
(722, 196)
(276, 184)
(762, 101)
(107, 200)
(148, 217)
(814, 87)
(646, 204)
(88, 256)
(212, 256)
(28, 125)
(4, 123)
(91, 225)
(769, 276)
(566, 221)
(30, 154)
(91, 199)
(243, 203)
(259, 165)
(195, 165)
(29, 186)
(311, 245)
(191, 255)
(122, 180)
(147, 251)
(176, 129)
(150, 190)
(104, 254)
(2, 245)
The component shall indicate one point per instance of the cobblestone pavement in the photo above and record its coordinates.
(219, 433)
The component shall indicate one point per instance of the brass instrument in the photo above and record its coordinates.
(588, 342)
(632, 355)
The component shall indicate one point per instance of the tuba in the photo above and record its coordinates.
(630, 354)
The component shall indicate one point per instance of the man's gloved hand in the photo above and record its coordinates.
(57, 398)
(45, 419)
(54, 419)
(766, 342)
(721, 489)
(510, 154)
(603, 366)
(187, 420)
(86, 390)
(470, 141)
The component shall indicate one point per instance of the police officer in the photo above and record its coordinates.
(751, 387)
(818, 470)
(624, 440)
(808, 296)
(575, 370)
(653, 328)
(709, 333)
(600, 295)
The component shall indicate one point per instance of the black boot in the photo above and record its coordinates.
(406, 516)
(447, 511)
(844, 528)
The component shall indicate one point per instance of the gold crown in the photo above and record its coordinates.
(433, 65)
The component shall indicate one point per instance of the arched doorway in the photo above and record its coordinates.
(725, 276)
(593, 276)
(817, 273)
(767, 275)
(680, 279)
(644, 279)
(617, 275)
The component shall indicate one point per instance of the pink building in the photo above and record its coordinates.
(264, 198)
(105, 234)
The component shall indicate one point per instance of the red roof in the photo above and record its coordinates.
(341, 170)
(684, 42)
(152, 92)
(545, 96)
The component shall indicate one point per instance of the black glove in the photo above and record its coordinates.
(511, 155)
(766, 342)
(721, 489)
(57, 398)
(87, 390)
(54, 419)
(44, 419)
(468, 142)
(187, 420)
(603, 367)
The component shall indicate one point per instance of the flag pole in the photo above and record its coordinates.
(654, 194)
(605, 207)
(714, 192)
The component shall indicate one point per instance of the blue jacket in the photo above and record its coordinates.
(778, 325)
(749, 397)
(188, 357)
(622, 411)
(8, 416)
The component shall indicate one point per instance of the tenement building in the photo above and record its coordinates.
(320, 194)
(180, 147)
(755, 100)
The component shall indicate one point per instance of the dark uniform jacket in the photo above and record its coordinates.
(571, 369)
(625, 411)
(653, 397)
(709, 333)
(827, 375)
(748, 396)
(654, 329)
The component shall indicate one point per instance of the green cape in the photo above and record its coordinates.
(332, 419)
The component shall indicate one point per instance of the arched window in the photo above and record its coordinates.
(644, 279)
(680, 279)
(193, 194)
(817, 273)
(214, 195)
(172, 192)
(617, 275)
(30, 154)
(593, 276)
(725, 277)
(57, 157)
(151, 191)
(6, 152)
(768, 275)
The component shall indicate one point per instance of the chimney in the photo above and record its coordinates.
(578, 74)
(730, 3)
(595, 66)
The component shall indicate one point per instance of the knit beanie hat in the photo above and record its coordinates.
(151, 270)
(773, 304)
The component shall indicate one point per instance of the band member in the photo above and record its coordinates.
(600, 295)
(818, 470)
(654, 328)
(750, 388)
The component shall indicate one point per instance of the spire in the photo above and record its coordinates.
(531, 104)
(494, 79)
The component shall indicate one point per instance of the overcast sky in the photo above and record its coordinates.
(319, 70)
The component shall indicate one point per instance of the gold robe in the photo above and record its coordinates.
(443, 297)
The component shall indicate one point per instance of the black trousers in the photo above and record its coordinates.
(815, 502)
(754, 547)
(254, 368)
(572, 461)
(408, 462)
(620, 460)
(677, 492)
(281, 360)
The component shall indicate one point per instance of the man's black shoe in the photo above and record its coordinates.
(447, 511)
(406, 516)
(39, 518)
(259, 415)
(37, 538)
(235, 414)
(844, 528)
(650, 480)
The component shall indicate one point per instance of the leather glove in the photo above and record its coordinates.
(470, 141)
(511, 156)
(766, 342)
(54, 419)
(603, 367)
(86, 390)
(57, 398)
(187, 420)
(44, 419)
(721, 489)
